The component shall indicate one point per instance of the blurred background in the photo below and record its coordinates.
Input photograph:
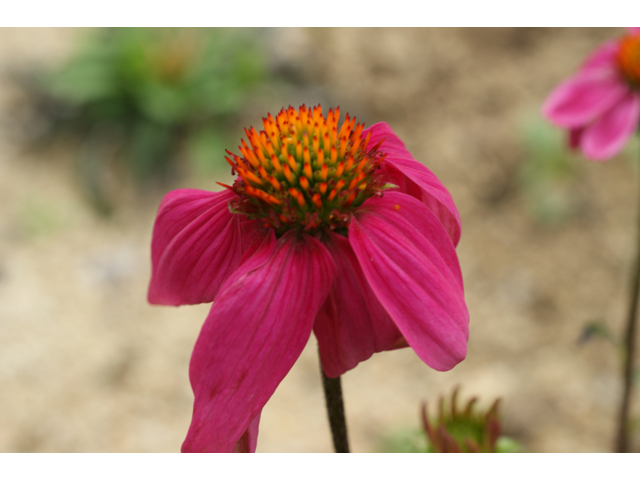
(97, 125)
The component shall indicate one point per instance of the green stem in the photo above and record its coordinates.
(335, 410)
(622, 441)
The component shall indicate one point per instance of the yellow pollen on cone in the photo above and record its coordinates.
(303, 170)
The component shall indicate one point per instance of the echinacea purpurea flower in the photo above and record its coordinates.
(600, 104)
(327, 228)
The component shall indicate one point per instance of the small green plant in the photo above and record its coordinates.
(454, 430)
(405, 441)
(142, 99)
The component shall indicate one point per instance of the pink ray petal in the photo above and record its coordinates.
(411, 265)
(575, 136)
(420, 181)
(249, 439)
(608, 135)
(582, 98)
(196, 246)
(351, 325)
(258, 326)
(633, 29)
(603, 57)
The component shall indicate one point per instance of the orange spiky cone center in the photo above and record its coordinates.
(304, 171)
(629, 58)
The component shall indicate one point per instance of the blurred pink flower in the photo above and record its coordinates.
(600, 105)
(311, 237)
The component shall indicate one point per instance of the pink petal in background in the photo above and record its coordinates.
(604, 57)
(580, 99)
(575, 136)
(608, 135)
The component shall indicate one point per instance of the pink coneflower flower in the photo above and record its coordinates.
(335, 230)
(600, 105)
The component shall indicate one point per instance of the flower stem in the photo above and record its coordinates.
(335, 411)
(622, 441)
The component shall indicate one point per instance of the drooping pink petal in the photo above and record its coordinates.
(258, 326)
(414, 179)
(196, 245)
(412, 267)
(575, 135)
(634, 29)
(604, 57)
(352, 325)
(580, 99)
(249, 439)
(608, 135)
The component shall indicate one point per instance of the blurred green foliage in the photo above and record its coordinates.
(598, 329)
(38, 218)
(546, 178)
(143, 99)
(405, 441)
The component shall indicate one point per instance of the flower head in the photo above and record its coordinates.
(329, 228)
(456, 431)
(600, 105)
(302, 172)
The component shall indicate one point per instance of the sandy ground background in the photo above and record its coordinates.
(86, 365)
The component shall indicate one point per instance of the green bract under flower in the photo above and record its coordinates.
(303, 172)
